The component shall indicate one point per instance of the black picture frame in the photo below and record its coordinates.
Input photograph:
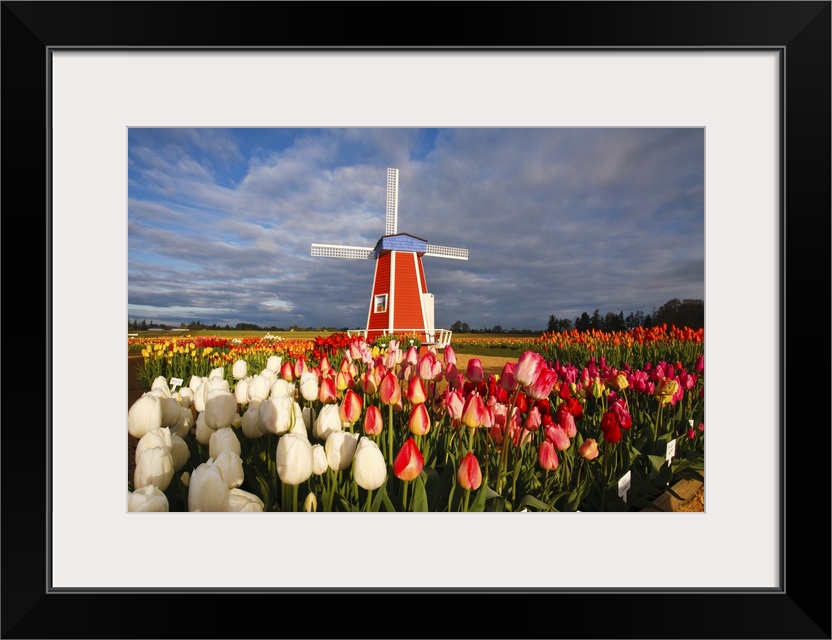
(800, 31)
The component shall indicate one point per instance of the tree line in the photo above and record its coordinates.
(682, 313)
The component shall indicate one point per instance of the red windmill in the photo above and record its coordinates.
(400, 302)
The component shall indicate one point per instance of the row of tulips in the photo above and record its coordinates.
(399, 431)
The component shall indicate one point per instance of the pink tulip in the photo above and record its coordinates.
(469, 474)
(474, 372)
(450, 355)
(287, 371)
(547, 457)
(543, 385)
(528, 368)
(558, 438)
(454, 403)
(533, 419)
(507, 380)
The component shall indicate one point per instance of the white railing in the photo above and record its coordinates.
(438, 337)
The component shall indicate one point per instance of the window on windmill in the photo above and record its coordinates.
(381, 303)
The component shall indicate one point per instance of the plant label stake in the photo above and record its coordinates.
(624, 485)
(670, 452)
(175, 382)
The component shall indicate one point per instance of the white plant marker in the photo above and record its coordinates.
(624, 485)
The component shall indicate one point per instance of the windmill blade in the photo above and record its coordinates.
(341, 251)
(391, 218)
(446, 252)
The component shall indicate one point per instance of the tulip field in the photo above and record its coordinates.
(580, 421)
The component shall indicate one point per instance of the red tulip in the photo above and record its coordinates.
(416, 390)
(469, 474)
(350, 409)
(507, 380)
(409, 461)
(327, 392)
(533, 419)
(373, 422)
(390, 390)
(287, 371)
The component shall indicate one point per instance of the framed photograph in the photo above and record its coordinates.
(754, 75)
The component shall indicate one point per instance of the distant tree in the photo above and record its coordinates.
(143, 325)
(682, 313)
(583, 322)
(596, 322)
(497, 328)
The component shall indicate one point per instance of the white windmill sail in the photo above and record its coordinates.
(391, 217)
(341, 251)
(446, 252)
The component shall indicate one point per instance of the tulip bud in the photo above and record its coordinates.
(469, 474)
(251, 422)
(148, 498)
(232, 468)
(241, 501)
(273, 363)
(369, 466)
(416, 390)
(328, 420)
(390, 391)
(373, 421)
(340, 449)
(144, 415)
(179, 452)
(528, 368)
(449, 355)
(293, 459)
(350, 408)
(328, 392)
(154, 466)
(409, 461)
(239, 369)
(308, 386)
(220, 408)
(319, 463)
(588, 449)
(207, 490)
(547, 458)
(419, 420)
(310, 504)
(223, 440)
(473, 410)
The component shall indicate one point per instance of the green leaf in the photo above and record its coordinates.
(381, 496)
(419, 502)
(531, 501)
(477, 505)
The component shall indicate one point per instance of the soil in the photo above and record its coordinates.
(490, 365)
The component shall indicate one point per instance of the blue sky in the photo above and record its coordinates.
(557, 221)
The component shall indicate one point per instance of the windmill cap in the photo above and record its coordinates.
(401, 242)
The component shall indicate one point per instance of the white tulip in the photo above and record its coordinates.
(153, 466)
(185, 478)
(241, 391)
(185, 395)
(251, 422)
(258, 388)
(310, 504)
(369, 466)
(319, 463)
(239, 370)
(170, 412)
(219, 372)
(162, 384)
(144, 415)
(277, 414)
(183, 426)
(309, 386)
(281, 388)
(293, 459)
(149, 498)
(159, 437)
(180, 452)
(340, 449)
(273, 363)
(328, 420)
(232, 468)
(239, 500)
(203, 431)
(223, 440)
(196, 382)
(207, 490)
(269, 375)
(220, 408)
